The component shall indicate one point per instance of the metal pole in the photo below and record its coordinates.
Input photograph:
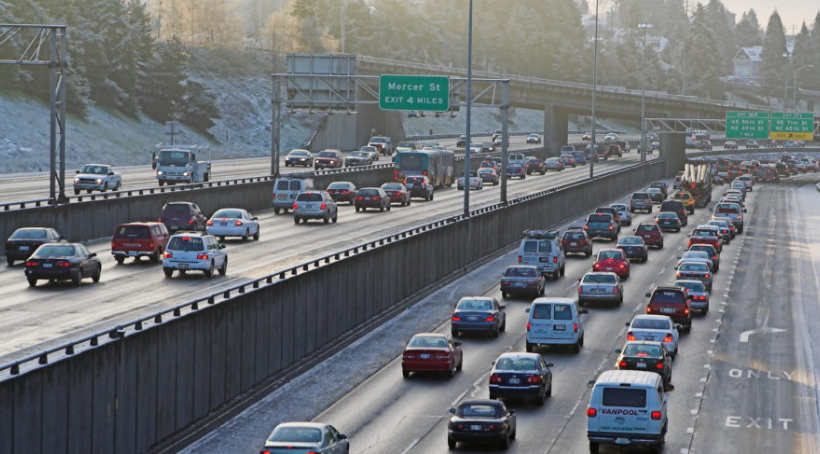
(344, 19)
(469, 111)
(645, 27)
(276, 123)
(794, 91)
(593, 146)
(62, 99)
(505, 121)
(52, 97)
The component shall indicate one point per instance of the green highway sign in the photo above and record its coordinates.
(747, 125)
(397, 92)
(792, 126)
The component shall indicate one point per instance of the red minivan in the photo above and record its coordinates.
(138, 239)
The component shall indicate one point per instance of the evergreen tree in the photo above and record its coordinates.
(811, 76)
(703, 69)
(138, 21)
(748, 31)
(163, 100)
(198, 108)
(775, 60)
(717, 20)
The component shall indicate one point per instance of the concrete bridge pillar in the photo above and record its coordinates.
(556, 128)
(673, 149)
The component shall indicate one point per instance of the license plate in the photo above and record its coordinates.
(559, 328)
(641, 365)
(514, 381)
(472, 319)
(308, 205)
(183, 266)
(573, 244)
(519, 284)
(132, 253)
(545, 259)
(475, 427)
(223, 224)
(667, 310)
(647, 236)
(282, 196)
(24, 248)
(622, 441)
(597, 290)
(424, 356)
(46, 265)
(609, 268)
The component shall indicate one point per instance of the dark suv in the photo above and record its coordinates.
(419, 186)
(677, 207)
(651, 234)
(672, 301)
(614, 212)
(576, 240)
(183, 216)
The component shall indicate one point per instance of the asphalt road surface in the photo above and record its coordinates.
(32, 319)
(731, 396)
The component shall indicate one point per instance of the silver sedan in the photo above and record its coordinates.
(600, 286)
(233, 222)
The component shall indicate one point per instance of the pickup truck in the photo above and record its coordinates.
(97, 177)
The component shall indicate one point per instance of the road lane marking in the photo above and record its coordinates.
(412, 445)
(744, 336)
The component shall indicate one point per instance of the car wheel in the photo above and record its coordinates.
(295, 220)
(505, 295)
(563, 270)
(496, 332)
(168, 272)
(77, 278)
(504, 326)
(576, 347)
(405, 373)
(452, 372)
(381, 208)
(77, 191)
(530, 347)
(327, 220)
(388, 207)
(209, 273)
(542, 291)
(97, 274)
(460, 364)
(588, 253)
(256, 235)
(454, 332)
(505, 442)
(244, 237)
(593, 447)
(118, 258)
(32, 281)
(224, 269)
(431, 197)
(336, 217)
(540, 399)
(451, 443)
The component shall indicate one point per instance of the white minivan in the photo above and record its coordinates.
(555, 321)
(286, 189)
(627, 407)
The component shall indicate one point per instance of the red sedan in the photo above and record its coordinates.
(613, 261)
(397, 192)
(651, 234)
(432, 352)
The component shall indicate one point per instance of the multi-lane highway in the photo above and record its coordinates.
(745, 375)
(34, 318)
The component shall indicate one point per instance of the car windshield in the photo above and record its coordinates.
(133, 231)
(600, 279)
(233, 214)
(296, 435)
(631, 240)
(693, 267)
(391, 186)
(327, 154)
(309, 197)
(515, 364)
(428, 342)
(642, 350)
(692, 286)
(29, 234)
(515, 271)
(55, 251)
(173, 158)
(96, 170)
(298, 153)
(537, 247)
(478, 411)
(475, 305)
(185, 244)
(610, 255)
(651, 323)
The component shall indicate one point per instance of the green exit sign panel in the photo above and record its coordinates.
(792, 126)
(397, 92)
(747, 125)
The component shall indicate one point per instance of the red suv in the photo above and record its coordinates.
(706, 236)
(613, 261)
(672, 301)
(576, 240)
(651, 234)
(139, 239)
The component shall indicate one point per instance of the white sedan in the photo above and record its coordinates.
(475, 181)
(233, 222)
(656, 328)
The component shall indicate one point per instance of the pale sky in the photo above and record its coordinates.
(792, 12)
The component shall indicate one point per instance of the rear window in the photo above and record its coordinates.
(645, 228)
(668, 296)
(721, 208)
(233, 214)
(475, 305)
(282, 185)
(338, 186)
(179, 210)
(600, 279)
(573, 236)
(29, 234)
(520, 272)
(368, 192)
(296, 435)
(542, 312)
(696, 286)
(704, 232)
(693, 267)
(624, 397)
(642, 350)
(309, 197)
(610, 255)
(562, 312)
(650, 323)
(600, 217)
(55, 251)
(391, 186)
(327, 154)
(479, 410)
(185, 243)
(133, 231)
(295, 185)
(516, 364)
(537, 247)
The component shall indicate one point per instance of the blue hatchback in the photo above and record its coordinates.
(479, 313)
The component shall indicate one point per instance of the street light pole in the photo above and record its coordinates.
(344, 19)
(469, 111)
(645, 26)
(593, 148)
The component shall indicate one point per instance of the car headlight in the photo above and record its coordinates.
(99, 180)
(186, 173)
(76, 180)
(159, 172)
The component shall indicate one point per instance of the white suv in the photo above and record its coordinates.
(194, 251)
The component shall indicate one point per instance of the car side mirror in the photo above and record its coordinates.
(342, 437)
(591, 384)
(669, 388)
(502, 307)
(679, 327)
(648, 294)
(626, 324)
(451, 410)
(511, 411)
(550, 365)
(457, 343)
(255, 218)
(111, 173)
(744, 210)
(527, 310)
(617, 350)
(222, 246)
(76, 171)
(678, 258)
(93, 254)
(583, 311)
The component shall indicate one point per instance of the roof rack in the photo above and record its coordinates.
(541, 234)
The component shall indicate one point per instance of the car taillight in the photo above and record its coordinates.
(345, 191)
(686, 311)
(591, 412)
(659, 365)
(31, 263)
(614, 290)
(622, 364)
(160, 219)
(167, 255)
(656, 415)
(580, 289)
(150, 245)
(555, 259)
(586, 227)
(657, 221)
(706, 275)
(529, 325)
(679, 275)
(376, 198)
(237, 223)
(630, 336)
(534, 379)
(64, 264)
(490, 318)
(495, 378)
(323, 206)
(668, 338)
(575, 327)
(190, 221)
(610, 227)
(210, 222)
(202, 257)
(519, 259)
(456, 318)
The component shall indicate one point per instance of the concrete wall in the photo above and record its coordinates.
(128, 394)
(335, 132)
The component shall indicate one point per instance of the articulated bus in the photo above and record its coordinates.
(438, 165)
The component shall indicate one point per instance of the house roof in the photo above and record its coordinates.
(749, 53)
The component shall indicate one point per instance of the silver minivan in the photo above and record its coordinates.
(285, 191)
(555, 321)
(542, 248)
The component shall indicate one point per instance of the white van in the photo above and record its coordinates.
(555, 321)
(627, 407)
(285, 191)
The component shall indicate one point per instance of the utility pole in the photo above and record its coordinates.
(645, 26)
